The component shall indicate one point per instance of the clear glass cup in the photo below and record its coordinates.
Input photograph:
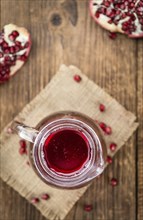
(61, 121)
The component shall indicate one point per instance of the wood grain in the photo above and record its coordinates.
(63, 32)
(139, 155)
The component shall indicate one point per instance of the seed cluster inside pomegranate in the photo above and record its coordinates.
(15, 46)
(125, 16)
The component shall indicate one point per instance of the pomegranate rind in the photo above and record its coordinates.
(103, 22)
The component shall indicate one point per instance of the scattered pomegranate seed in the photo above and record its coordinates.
(112, 35)
(22, 150)
(102, 126)
(22, 143)
(109, 159)
(77, 78)
(114, 182)
(108, 130)
(45, 196)
(88, 208)
(113, 146)
(105, 128)
(102, 107)
(35, 200)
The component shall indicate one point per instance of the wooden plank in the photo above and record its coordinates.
(14, 96)
(63, 32)
(140, 131)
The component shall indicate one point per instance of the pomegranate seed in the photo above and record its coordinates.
(102, 126)
(6, 50)
(108, 130)
(26, 45)
(23, 58)
(22, 143)
(110, 22)
(1, 55)
(112, 35)
(15, 34)
(114, 182)
(17, 48)
(3, 72)
(102, 107)
(35, 200)
(107, 3)
(18, 43)
(4, 44)
(123, 16)
(22, 151)
(11, 37)
(77, 78)
(12, 49)
(45, 196)
(97, 15)
(109, 159)
(88, 208)
(113, 146)
(7, 58)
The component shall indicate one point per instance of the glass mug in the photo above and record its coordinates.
(66, 149)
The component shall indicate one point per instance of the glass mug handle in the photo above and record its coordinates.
(25, 132)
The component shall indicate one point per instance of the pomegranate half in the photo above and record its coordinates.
(15, 45)
(124, 16)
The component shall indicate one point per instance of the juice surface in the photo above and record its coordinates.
(66, 151)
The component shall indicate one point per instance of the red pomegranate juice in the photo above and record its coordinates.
(66, 151)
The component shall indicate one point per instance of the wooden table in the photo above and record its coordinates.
(63, 32)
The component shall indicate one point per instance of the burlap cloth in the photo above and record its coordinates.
(62, 93)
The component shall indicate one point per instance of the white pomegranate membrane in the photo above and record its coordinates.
(124, 16)
(15, 45)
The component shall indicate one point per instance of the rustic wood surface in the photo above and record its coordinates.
(63, 32)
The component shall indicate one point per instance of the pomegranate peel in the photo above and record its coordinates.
(119, 16)
(15, 45)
